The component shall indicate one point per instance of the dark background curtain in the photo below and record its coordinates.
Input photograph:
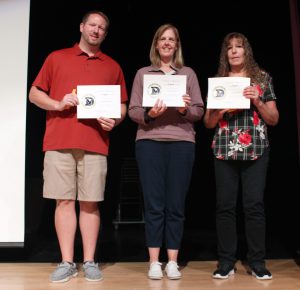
(272, 28)
(295, 31)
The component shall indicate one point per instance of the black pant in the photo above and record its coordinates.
(165, 170)
(252, 175)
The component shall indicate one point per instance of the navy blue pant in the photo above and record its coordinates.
(252, 175)
(165, 170)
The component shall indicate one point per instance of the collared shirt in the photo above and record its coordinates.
(242, 134)
(61, 72)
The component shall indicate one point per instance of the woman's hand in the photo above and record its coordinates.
(213, 116)
(252, 93)
(187, 101)
(158, 109)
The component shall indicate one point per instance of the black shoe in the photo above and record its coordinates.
(224, 271)
(260, 272)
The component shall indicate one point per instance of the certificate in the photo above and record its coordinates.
(227, 93)
(168, 88)
(99, 101)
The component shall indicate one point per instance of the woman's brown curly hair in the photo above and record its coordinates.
(252, 69)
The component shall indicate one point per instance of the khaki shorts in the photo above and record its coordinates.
(72, 174)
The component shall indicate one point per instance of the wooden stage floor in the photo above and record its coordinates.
(132, 276)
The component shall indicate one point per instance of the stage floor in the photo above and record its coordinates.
(127, 244)
(132, 276)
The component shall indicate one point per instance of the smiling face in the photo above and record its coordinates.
(93, 31)
(236, 53)
(167, 45)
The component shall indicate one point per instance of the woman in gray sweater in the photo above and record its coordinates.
(165, 150)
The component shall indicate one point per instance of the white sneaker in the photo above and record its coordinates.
(155, 271)
(172, 270)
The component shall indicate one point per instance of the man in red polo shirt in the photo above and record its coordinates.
(75, 163)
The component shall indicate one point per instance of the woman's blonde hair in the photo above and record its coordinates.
(178, 61)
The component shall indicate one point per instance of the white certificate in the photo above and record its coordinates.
(168, 88)
(227, 93)
(99, 101)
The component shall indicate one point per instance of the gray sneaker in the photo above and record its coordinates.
(64, 272)
(92, 271)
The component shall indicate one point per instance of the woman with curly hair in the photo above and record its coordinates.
(241, 149)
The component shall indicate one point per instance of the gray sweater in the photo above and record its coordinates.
(171, 125)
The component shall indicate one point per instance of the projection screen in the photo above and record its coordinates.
(14, 31)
